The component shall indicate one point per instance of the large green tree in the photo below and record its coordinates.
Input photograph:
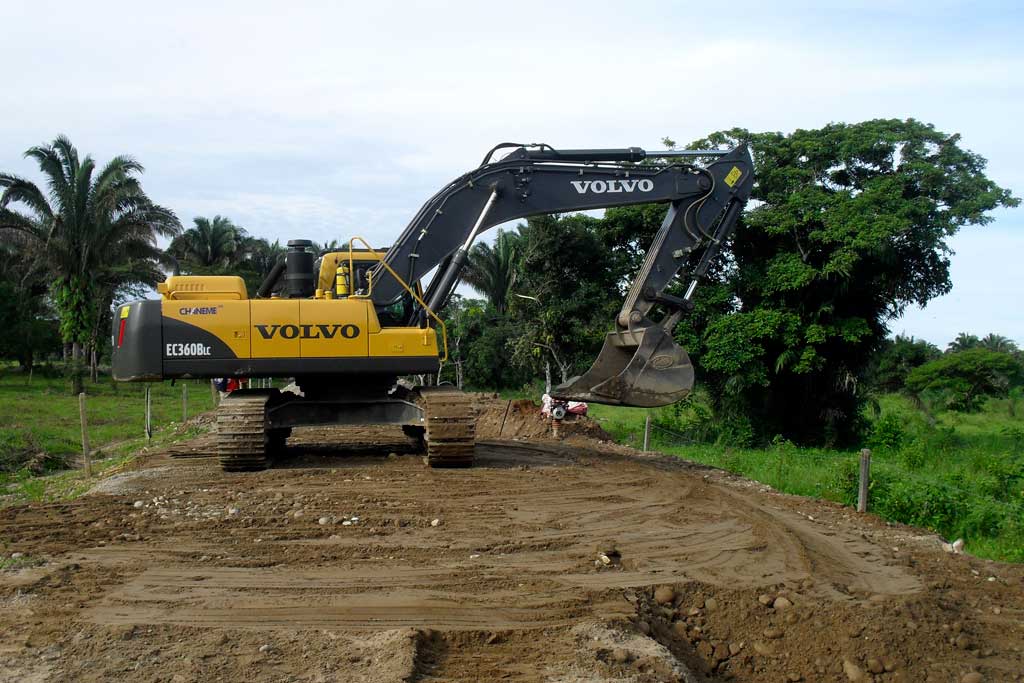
(963, 342)
(217, 246)
(573, 290)
(848, 225)
(95, 230)
(896, 358)
(479, 346)
(997, 342)
(28, 327)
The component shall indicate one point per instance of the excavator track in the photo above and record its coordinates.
(450, 421)
(242, 439)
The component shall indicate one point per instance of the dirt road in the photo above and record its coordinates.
(571, 561)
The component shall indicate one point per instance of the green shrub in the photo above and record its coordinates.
(914, 455)
(1015, 434)
(695, 421)
(887, 433)
(844, 482)
(1002, 476)
(30, 487)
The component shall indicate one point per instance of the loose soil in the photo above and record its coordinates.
(570, 560)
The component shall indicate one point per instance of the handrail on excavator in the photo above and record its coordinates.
(405, 286)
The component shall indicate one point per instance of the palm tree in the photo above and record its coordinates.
(211, 245)
(492, 270)
(333, 245)
(997, 342)
(263, 255)
(963, 342)
(87, 229)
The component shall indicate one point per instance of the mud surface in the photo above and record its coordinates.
(550, 561)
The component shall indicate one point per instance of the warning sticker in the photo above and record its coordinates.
(733, 176)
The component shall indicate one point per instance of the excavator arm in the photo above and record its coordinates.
(640, 363)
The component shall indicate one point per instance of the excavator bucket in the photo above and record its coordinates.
(643, 368)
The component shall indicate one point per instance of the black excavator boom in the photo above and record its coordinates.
(640, 364)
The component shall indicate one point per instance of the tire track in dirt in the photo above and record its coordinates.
(549, 530)
(499, 588)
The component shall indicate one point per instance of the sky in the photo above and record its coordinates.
(322, 120)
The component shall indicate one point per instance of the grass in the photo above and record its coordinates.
(960, 475)
(39, 426)
(43, 418)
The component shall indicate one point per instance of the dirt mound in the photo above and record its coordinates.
(521, 419)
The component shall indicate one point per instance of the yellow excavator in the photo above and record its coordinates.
(348, 324)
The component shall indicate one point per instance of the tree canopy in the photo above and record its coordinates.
(491, 270)
(966, 378)
(218, 246)
(848, 226)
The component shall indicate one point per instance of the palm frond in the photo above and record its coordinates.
(20, 190)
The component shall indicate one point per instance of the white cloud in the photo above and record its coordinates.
(319, 119)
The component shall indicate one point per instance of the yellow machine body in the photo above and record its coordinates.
(207, 326)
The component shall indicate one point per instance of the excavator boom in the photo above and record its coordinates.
(640, 363)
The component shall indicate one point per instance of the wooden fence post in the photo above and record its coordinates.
(149, 416)
(213, 393)
(647, 432)
(504, 417)
(865, 479)
(86, 457)
(184, 401)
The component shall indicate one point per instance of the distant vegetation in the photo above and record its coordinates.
(219, 247)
